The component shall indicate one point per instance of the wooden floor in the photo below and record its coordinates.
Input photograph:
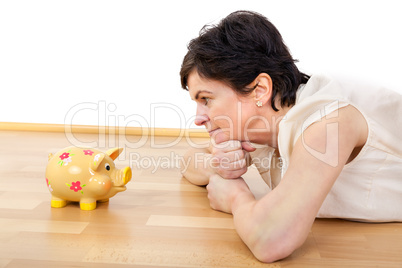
(161, 220)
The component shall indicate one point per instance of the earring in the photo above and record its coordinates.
(259, 103)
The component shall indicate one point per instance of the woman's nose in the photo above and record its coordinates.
(200, 118)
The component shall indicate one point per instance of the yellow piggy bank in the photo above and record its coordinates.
(85, 176)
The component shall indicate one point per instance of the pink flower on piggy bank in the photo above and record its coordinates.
(88, 152)
(64, 156)
(48, 185)
(76, 186)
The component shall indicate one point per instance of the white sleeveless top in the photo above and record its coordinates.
(369, 188)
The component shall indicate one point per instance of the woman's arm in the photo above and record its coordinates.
(229, 159)
(196, 166)
(279, 223)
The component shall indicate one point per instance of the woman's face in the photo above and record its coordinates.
(225, 114)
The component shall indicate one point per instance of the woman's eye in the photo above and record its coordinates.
(206, 99)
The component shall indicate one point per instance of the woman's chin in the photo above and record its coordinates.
(220, 136)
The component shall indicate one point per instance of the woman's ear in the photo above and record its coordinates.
(263, 89)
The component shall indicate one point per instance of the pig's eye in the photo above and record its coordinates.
(107, 166)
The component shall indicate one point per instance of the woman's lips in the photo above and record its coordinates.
(212, 132)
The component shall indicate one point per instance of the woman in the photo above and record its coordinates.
(333, 151)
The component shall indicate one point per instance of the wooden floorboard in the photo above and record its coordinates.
(160, 221)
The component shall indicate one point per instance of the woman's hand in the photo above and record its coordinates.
(222, 193)
(230, 158)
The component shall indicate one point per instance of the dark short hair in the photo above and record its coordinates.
(237, 50)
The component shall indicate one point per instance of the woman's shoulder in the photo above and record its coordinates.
(345, 88)
(322, 98)
(324, 94)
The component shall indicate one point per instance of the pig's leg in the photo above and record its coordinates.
(57, 202)
(88, 204)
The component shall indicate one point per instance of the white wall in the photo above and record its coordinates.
(114, 62)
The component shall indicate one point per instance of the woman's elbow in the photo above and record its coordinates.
(271, 251)
(195, 178)
(198, 175)
(269, 255)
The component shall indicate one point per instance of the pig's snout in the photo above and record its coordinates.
(123, 176)
(127, 174)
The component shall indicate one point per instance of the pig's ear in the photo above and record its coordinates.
(114, 153)
(97, 160)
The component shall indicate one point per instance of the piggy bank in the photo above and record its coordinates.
(85, 176)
